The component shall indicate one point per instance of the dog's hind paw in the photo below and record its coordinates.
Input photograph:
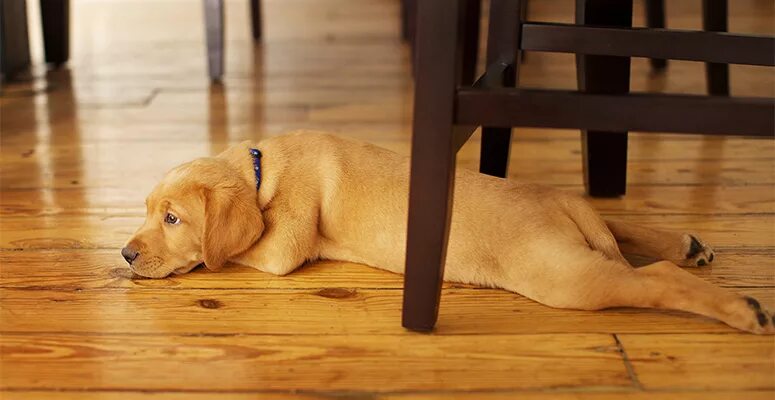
(754, 318)
(696, 253)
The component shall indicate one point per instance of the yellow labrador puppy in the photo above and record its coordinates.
(307, 196)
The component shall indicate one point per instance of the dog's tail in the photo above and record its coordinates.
(592, 226)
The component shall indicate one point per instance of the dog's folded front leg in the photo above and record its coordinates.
(289, 239)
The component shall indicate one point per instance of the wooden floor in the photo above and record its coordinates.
(81, 147)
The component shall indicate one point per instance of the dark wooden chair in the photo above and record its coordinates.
(214, 26)
(605, 153)
(447, 110)
(55, 18)
(214, 33)
(14, 40)
(714, 19)
(14, 44)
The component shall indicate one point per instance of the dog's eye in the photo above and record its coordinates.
(171, 219)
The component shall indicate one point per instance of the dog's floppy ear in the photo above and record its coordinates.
(232, 223)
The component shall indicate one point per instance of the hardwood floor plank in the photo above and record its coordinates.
(558, 395)
(104, 268)
(112, 230)
(372, 364)
(712, 200)
(702, 361)
(562, 394)
(81, 146)
(146, 395)
(320, 312)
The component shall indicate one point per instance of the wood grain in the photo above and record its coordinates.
(341, 362)
(147, 395)
(676, 361)
(319, 312)
(596, 395)
(559, 394)
(81, 146)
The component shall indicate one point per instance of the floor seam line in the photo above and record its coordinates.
(627, 364)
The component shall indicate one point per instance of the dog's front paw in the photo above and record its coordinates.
(695, 252)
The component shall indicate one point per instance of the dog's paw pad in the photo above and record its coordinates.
(753, 303)
(760, 320)
(698, 254)
(748, 314)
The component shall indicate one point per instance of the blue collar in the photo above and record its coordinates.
(256, 155)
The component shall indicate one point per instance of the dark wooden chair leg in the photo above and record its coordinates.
(408, 23)
(55, 18)
(409, 29)
(213, 10)
(14, 40)
(433, 161)
(605, 153)
(655, 18)
(472, 14)
(470, 20)
(524, 14)
(714, 18)
(255, 18)
(503, 41)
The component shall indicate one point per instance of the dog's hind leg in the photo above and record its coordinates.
(664, 285)
(593, 227)
(681, 248)
(594, 282)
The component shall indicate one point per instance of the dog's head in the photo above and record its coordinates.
(202, 211)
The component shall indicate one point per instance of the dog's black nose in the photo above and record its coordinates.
(129, 254)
